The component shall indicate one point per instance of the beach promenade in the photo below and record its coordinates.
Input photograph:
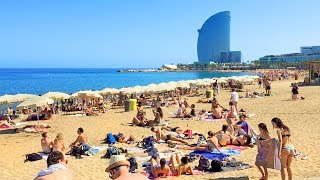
(301, 116)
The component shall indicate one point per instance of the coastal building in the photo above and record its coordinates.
(306, 53)
(214, 41)
(169, 67)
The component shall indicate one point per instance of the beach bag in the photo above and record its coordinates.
(148, 142)
(204, 164)
(110, 139)
(133, 164)
(216, 165)
(33, 157)
(111, 151)
(153, 152)
(77, 151)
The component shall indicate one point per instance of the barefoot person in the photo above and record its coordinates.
(286, 150)
(59, 145)
(166, 137)
(82, 139)
(180, 165)
(158, 115)
(159, 168)
(119, 169)
(262, 136)
(46, 143)
(234, 99)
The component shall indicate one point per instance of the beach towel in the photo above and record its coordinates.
(210, 119)
(150, 176)
(267, 154)
(5, 126)
(209, 155)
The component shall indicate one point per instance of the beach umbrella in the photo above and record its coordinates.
(109, 91)
(87, 94)
(35, 102)
(56, 95)
(8, 99)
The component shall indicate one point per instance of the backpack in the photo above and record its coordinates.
(33, 157)
(77, 151)
(111, 151)
(148, 142)
(216, 165)
(110, 139)
(133, 164)
(204, 163)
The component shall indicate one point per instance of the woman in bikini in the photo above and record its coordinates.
(262, 136)
(159, 168)
(140, 120)
(233, 111)
(180, 165)
(59, 145)
(223, 135)
(286, 150)
(212, 143)
(158, 115)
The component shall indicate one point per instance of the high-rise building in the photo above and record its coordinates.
(214, 40)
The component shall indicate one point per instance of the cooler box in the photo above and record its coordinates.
(127, 105)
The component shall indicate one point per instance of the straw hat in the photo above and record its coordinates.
(117, 160)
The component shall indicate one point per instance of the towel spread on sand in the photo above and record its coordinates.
(209, 155)
(267, 154)
(150, 176)
(226, 151)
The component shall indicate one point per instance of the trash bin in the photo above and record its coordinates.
(127, 105)
(209, 94)
(133, 104)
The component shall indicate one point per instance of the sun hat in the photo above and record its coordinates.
(117, 160)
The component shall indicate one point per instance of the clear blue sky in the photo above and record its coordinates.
(145, 33)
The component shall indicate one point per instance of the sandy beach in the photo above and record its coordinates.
(301, 116)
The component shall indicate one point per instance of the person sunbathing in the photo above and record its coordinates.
(212, 143)
(242, 140)
(158, 115)
(159, 168)
(120, 137)
(223, 135)
(46, 143)
(140, 120)
(33, 128)
(233, 111)
(82, 140)
(59, 145)
(178, 130)
(160, 135)
(217, 112)
(180, 165)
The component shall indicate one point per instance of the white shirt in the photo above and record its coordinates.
(179, 112)
(234, 97)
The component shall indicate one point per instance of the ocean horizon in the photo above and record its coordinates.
(69, 80)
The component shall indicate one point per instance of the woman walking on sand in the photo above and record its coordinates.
(295, 91)
(286, 150)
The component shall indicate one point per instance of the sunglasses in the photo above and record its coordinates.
(113, 170)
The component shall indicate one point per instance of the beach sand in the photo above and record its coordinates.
(301, 116)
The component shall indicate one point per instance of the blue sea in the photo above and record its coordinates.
(40, 81)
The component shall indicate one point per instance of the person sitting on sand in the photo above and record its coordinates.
(230, 127)
(159, 168)
(222, 135)
(158, 115)
(166, 137)
(101, 106)
(180, 165)
(46, 143)
(241, 127)
(119, 169)
(59, 145)
(140, 120)
(82, 140)
(90, 112)
(212, 143)
(215, 103)
(233, 111)
(56, 168)
(217, 112)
